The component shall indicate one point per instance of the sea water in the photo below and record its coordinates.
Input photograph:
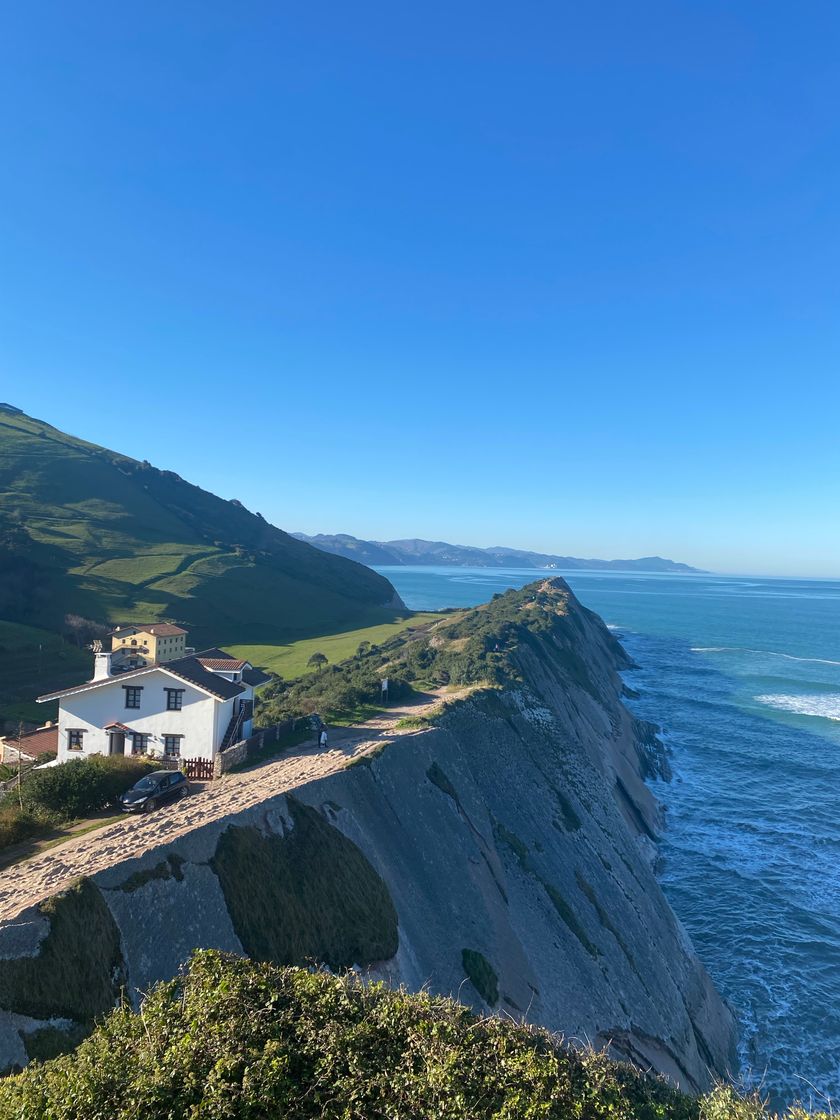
(743, 677)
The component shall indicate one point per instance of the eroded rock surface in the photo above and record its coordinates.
(511, 840)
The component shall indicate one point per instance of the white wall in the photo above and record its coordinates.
(224, 714)
(90, 711)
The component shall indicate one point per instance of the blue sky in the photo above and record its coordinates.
(552, 275)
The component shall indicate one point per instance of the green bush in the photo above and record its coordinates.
(482, 974)
(479, 646)
(308, 895)
(79, 787)
(16, 826)
(336, 692)
(77, 972)
(240, 1040)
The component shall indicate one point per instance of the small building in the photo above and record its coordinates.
(31, 747)
(135, 646)
(179, 707)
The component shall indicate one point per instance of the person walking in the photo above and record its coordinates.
(322, 739)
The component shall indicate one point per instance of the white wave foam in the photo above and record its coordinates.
(763, 653)
(822, 705)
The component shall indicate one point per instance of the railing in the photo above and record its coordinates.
(234, 727)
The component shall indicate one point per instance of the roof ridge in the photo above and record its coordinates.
(205, 681)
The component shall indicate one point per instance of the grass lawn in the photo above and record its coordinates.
(290, 661)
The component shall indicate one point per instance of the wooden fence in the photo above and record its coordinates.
(196, 769)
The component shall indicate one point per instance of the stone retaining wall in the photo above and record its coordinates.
(241, 751)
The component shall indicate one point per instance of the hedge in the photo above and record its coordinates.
(77, 788)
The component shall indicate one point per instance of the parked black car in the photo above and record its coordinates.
(155, 789)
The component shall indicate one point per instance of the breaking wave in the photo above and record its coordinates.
(762, 653)
(824, 706)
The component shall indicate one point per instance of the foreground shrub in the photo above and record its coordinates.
(17, 825)
(79, 787)
(239, 1040)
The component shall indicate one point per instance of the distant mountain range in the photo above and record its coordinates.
(415, 551)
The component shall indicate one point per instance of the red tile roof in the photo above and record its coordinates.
(35, 743)
(225, 664)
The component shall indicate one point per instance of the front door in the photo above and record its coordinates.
(117, 742)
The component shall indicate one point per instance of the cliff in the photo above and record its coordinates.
(502, 854)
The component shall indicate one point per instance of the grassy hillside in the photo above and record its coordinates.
(292, 660)
(31, 661)
(238, 1039)
(88, 532)
(480, 646)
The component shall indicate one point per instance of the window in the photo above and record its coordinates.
(174, 699)
(132, 695)
(74, 739)
(134, 641)
(172, 745)
(139, 743)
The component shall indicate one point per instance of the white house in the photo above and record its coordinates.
(186, 707)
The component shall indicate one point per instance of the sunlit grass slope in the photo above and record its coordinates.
(292, 660)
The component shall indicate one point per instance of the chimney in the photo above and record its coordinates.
(101, 665)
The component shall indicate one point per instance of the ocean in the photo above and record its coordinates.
(743, 677)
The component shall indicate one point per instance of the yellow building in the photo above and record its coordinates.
(150, 645)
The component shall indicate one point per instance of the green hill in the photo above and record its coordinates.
(90, 536)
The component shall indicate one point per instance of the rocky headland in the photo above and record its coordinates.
(501, 851)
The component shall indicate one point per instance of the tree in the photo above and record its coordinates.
(317, 661)
(362, 649)
(82, 631)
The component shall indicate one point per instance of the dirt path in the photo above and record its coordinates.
(43, 875)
